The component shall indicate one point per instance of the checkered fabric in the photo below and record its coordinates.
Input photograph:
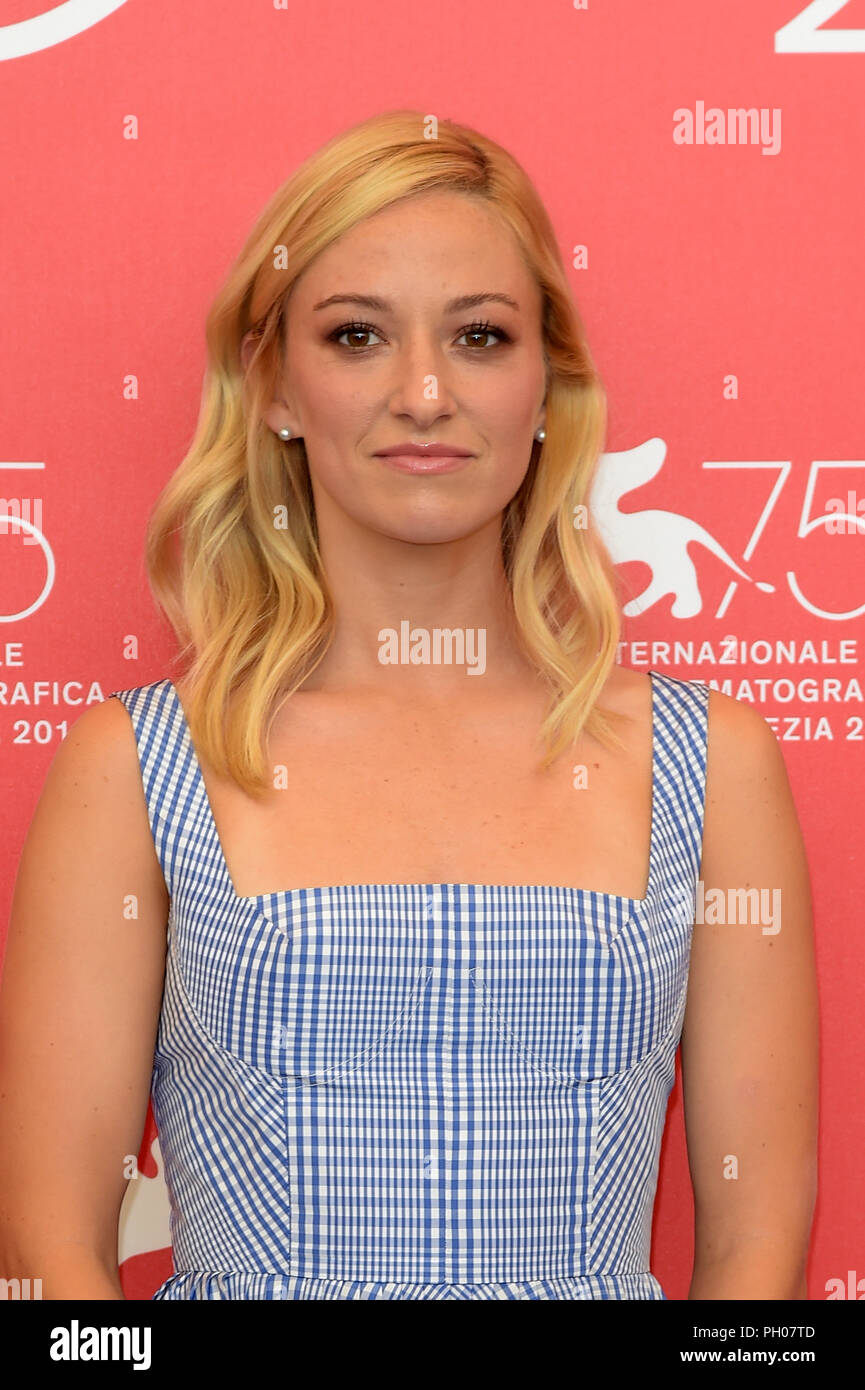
(416, 1090)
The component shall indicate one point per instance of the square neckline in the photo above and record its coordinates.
(285, 895)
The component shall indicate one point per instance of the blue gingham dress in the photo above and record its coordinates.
(416, 1090)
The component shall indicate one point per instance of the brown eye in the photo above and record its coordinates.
(485, 330)
(352, 330)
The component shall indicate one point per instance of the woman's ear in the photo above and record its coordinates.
(277, 415)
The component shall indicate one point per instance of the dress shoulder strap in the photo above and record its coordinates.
(680, 733)
(164, 762)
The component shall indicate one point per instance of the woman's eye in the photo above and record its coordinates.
(353, 330)
(484, 330)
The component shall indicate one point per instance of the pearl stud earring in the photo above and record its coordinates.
(285, 434)
(540, 435)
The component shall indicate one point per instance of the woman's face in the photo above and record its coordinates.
(415, 367)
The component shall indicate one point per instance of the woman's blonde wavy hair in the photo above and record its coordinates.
(247, 599)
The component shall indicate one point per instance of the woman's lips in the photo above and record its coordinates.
(414, 463)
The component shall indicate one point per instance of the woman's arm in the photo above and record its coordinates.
(79, 1009)
(750, 1036)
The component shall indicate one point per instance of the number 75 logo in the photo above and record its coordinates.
(836, 520)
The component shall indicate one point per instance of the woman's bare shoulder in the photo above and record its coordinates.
(752, 836)
(742, 750)
(94, 779)
(102, 736)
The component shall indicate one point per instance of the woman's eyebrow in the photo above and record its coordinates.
(383, 306)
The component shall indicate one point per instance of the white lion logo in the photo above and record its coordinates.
(659, 539)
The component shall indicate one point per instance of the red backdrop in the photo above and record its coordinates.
(717, 260)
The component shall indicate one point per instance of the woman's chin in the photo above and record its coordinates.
(439, 530)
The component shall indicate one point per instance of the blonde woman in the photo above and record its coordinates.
(414, 861)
